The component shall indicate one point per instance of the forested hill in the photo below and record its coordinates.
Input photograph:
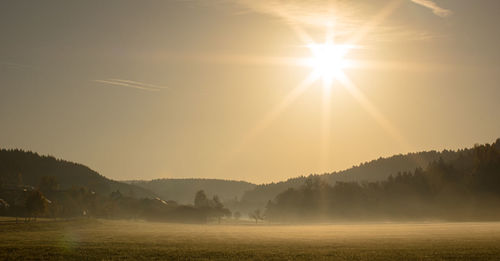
(375, 170)
(183, 190)
(465, 189)
(18, 167)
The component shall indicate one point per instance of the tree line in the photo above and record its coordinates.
(465, 188)
(376, 170)
(49, 201)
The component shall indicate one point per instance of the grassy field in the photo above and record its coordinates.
(109, 240)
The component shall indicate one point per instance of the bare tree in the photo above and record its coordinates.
(257, 215)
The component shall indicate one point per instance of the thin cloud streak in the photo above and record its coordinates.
(15, 65)
(147, 85)
(308, 12)
(131, 84)
(436, 9)
(346, 16)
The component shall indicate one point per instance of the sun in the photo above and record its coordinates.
(327, 61)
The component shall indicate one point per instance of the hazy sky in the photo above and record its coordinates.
(157, 89)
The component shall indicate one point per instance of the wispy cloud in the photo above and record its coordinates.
(308, 12)
(132, 84)
(347, 16)
(15, 65)
(320, 12)
(436, 9)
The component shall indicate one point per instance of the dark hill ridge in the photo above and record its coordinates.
(183, 190)
(375, 170)
(461, 189)
(32, 167)
(253, 196)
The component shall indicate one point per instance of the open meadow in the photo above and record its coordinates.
(112, 240)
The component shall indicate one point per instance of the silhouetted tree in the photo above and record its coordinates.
(218, 210)
(256, 215)
(36, 203)
(201, 200)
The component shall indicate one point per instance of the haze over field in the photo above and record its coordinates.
(135, 240)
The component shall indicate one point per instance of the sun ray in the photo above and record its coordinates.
(372, 23)
(238, 59)
(371, 109)
(329, 33)
(326, 110)
(303, 36)
(378, 65)
(335, 64)
(326, 130)
(269, 118)
(278, 109)
(328, 63)
(403, 66)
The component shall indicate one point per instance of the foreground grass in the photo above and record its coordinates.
(110, 240)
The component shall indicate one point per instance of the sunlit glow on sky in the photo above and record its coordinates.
(257, 90)
(327, 61)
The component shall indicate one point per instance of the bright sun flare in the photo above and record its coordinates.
(327, 61)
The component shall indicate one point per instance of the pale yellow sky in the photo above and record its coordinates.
(158, 89)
